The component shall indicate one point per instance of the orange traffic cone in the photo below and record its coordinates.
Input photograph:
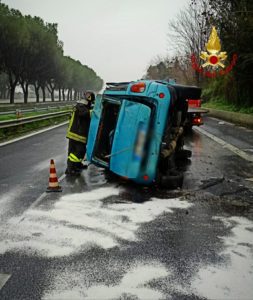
(53, 185)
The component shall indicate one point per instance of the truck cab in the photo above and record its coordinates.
(134, 125)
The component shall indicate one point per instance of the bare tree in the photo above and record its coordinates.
(178, 68)
(188, 32)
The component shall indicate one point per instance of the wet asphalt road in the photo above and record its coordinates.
(103, 238)
(24, 169)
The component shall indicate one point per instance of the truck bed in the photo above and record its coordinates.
(197, 110)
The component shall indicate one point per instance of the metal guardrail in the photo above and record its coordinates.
(33, 109)
(34, 103)
(22, 121)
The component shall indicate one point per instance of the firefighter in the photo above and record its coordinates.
(78, 132)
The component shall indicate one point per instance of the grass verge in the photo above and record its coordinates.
(31, 114)
(17, 131)
(220, 105)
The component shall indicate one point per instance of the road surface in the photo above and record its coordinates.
(103, 238)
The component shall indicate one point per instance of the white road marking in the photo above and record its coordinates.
(226, 145)
(41, 197)
(3, 279)
(32, 134)
(222, 122)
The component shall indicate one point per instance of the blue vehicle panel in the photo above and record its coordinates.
(129, 138)
(134, 118)
(128, 126)
(159, 122)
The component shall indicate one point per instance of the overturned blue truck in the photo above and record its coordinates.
(137, 130)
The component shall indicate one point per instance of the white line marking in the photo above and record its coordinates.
(62, 177)
(220, 120)
(39, 199)
(32, 134)
(43, 195)
(226, 145)
(3, 279)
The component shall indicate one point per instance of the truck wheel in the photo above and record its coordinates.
(172, 180)
(163, 165)
(167, 164)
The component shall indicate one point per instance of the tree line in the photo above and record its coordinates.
(189, 32)
(31, 54)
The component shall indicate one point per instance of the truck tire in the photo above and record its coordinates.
(166, 164)
(173, 180)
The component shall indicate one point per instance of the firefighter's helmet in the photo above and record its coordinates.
(90, 96)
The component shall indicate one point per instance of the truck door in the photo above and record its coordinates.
(95, 118)
(130, 139)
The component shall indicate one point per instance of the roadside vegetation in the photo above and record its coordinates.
(17, 131)
(190, 31)
(221, 105)
(32, 114)
(31, 54)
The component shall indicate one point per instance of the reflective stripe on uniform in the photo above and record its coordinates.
(71, 120)
(72, 135)
(76, 137)
(72, 157)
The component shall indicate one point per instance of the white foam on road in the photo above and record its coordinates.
(134, 284)
(233, 280)
(74, 294)
(80, 221)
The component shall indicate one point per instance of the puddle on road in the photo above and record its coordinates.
(235, 279)
(81, 221)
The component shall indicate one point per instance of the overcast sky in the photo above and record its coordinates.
(117, 38)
